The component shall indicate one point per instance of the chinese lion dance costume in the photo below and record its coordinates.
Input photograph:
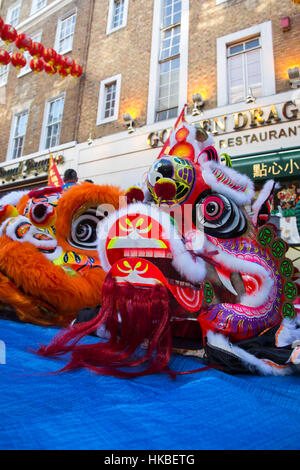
(49, 265)
(194, 267)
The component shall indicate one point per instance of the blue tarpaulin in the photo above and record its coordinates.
(80, 410)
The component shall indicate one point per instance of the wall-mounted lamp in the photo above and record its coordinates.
(198, 104)
(250, 98)
(294, 76)
(90, 140)
(129, 122)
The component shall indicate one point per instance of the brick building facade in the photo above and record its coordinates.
(27, 99)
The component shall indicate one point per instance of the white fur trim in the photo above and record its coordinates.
(252, 362)
(288, 333)
(12, 198)
(10, 231)
(239, 197)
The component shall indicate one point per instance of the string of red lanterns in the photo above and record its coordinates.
(46, 59)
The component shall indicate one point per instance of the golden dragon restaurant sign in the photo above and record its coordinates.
(241, 120)
(270, 124)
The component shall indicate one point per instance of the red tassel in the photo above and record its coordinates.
(141, 321)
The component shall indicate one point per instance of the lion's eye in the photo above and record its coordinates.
(84, 230)
(218, 216)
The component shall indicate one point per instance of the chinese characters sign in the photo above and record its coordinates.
(279, 165)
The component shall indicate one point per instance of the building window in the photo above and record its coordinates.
(52, 123)
(244, 70)
(35, 38)
(4, 69)
(245, 60)
(65, 33)
(18, 132)
(37, 5)
(169, 61)
(109, 97)
(168, 70)
(13, 14)
(117, 15)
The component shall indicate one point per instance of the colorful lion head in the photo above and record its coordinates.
(196, 260)
(49, 265)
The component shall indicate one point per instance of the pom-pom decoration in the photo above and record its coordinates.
(4, 57)
(8, 34)
(23, 42)
(37, 49)
(165, 189)
(50, 55)
(76, 71)
(134, 194)
(36, 65)
(18, 60)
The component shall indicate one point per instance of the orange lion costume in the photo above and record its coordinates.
(49, 265)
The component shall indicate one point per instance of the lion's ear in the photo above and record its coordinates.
(227, 181)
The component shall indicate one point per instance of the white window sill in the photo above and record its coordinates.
(107, 120)
(113, 30)
(64, 52)
(24, 73)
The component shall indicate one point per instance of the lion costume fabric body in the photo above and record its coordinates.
(49, 265)
(191, 258)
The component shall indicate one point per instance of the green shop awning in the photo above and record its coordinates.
(261, 166)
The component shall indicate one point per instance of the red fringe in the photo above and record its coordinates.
(145, 319)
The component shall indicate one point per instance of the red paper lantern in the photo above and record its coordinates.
(50, 55)
(59, 63)
(37, 49)
(68, 63)
(8, 33)
(76, 71)
(63, 72)
(23, 42)
(36, 64)
(49, 68)
(4, 57)
(18, 60)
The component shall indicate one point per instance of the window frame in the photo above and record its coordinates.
(36, 37)
(59, 28)
(109, 28)
(15, 5)
(34, 8)
(243, 54)
(264, 30)
(13, 127)
(45, 126)
(154, 74)
(5, 70)
(101, 102)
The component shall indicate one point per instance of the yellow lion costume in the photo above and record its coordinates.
(49, 266)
